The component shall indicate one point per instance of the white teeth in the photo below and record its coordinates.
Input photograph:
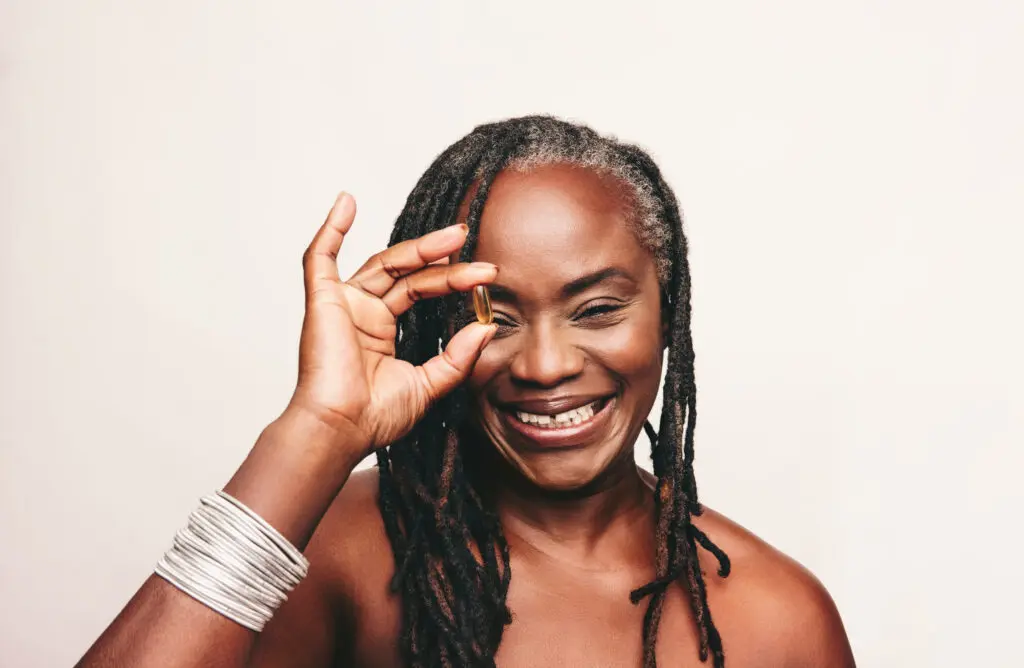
(572, 417)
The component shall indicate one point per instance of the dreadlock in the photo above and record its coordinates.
(451, 557)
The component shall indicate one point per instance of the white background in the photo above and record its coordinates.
(851, 174)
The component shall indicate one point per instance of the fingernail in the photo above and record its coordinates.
(484, 265)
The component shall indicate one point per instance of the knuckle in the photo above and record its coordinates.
(390, 269)
(450, 362)
(412, 292)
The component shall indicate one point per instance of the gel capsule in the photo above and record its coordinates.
(482, 305)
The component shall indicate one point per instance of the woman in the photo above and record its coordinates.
(507, 523)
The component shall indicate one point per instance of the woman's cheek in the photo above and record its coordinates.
(494, 356)
(628, 349)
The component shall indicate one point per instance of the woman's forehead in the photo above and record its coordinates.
(560, 220)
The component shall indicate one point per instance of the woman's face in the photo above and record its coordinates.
(565, 386)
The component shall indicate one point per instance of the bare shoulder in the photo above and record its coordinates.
(326, 617)
(351, 546)
(772, 608)
(351, 541)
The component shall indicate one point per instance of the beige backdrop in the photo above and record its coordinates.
(851, 175)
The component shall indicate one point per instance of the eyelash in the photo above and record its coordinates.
(599, 310)
(504, 325)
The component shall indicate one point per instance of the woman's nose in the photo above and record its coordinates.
(547, 357)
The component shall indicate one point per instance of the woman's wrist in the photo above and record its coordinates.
(297, 467)
(306, 431)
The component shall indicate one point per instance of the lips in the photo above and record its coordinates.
(563, 422)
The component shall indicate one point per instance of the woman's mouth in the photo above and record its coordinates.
(560, 420)
(563, 429)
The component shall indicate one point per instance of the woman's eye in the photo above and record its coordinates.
(599, 310)
(504, 323)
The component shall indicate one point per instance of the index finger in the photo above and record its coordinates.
(320, 261)
(382, 270)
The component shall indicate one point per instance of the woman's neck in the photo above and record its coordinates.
(599, 523)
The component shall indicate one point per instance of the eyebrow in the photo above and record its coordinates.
(572, 288)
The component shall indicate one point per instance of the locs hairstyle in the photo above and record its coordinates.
(452, 559)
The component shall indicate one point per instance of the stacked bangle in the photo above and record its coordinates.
(229, 559)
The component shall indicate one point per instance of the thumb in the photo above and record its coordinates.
(442, 373)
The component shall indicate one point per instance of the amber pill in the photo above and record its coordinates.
(482, 305)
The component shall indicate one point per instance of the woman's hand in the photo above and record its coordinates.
(349, 378)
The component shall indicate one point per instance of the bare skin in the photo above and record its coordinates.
(576, 511)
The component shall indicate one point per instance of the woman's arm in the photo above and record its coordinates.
(290, 478)
(352, 396)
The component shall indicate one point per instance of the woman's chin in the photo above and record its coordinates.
(569, 472)
(562, 469)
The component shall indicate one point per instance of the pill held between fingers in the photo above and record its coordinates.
(482, 305)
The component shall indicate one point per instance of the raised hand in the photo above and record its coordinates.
(349, 377)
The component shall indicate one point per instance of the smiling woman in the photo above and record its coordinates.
(507, 523)
(565, 387)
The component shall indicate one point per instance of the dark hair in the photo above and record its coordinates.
(452, 559)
